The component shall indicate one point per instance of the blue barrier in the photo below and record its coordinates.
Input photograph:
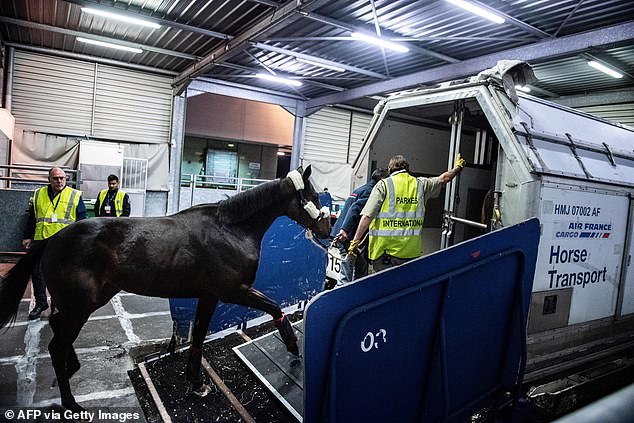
(292, 269)
(435, 339)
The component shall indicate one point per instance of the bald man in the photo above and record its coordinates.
(51, 209)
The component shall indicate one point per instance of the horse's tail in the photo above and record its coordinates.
(14, 284)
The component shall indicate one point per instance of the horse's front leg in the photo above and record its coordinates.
(255, 299)
(204, 311)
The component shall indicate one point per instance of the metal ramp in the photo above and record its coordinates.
(278, 370)
(437, 339)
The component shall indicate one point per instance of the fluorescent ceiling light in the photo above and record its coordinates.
(281, 153)
(478, 10)
(109, 45)
(380, 42)
(600, 66)
(523, 88)
(319, 64)
(121, 18)
(279, 79)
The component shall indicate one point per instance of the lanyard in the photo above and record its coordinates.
(110, 198)
(59, 197)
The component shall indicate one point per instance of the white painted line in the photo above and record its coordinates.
(114, 393)
(123, 319)
(26, 367)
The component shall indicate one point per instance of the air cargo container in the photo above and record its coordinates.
(527, 157)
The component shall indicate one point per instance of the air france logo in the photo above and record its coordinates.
(585, 230)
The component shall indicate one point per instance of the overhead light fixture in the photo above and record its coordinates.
(279, 79)
(109, 45)
(473, 8)
(231, 145)
(379, 42)
(603, 68)
(121, 18)
(524, 88)
(320, 64)
(281, 153)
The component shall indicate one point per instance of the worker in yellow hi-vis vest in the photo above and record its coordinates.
(395, 212)
(112, 202)
(51, 209)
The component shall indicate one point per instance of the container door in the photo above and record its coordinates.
(580, 253)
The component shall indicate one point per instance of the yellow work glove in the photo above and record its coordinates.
(353, 250)
(460, 162)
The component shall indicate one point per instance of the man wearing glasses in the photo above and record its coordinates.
(51, 209)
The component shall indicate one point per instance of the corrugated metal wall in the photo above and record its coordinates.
(70, 97)
(334, 135)
(621, 113)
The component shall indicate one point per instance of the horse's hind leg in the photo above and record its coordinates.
(204, 311)
(63, 355)
(255, 299)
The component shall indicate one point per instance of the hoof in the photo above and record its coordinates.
(202, 391)
(293, 349)
(171, 347)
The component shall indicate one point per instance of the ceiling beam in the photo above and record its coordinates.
(330, 21)
(160, 21)
(403, 39)
(292, 53)
(540, 50)
(232, 89)
(284, 14)
(72, 33)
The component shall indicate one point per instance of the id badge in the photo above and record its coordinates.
(53, 218)
(106, 209)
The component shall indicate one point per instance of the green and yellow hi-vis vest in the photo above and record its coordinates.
(53, 216)
(397, 229)
(118, 201)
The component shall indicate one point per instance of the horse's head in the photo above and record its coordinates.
(305, 207)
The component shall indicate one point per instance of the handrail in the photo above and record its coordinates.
(218, 181)
(34, 174)
(468, 222)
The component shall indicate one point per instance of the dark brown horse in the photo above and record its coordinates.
(210, 252)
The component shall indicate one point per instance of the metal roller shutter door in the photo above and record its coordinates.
(132, 106)
(326, 136)
(360, 124)
(70, 97)
(51, 94)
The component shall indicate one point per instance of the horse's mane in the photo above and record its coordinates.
(248, 203)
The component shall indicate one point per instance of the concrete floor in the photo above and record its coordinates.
(103, 346)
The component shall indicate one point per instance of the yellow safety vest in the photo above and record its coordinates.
(397, 229)
(53, 216)
(118, 201)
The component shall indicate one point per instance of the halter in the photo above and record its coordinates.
(309, 206)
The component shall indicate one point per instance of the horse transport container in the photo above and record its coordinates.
(526, 158)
